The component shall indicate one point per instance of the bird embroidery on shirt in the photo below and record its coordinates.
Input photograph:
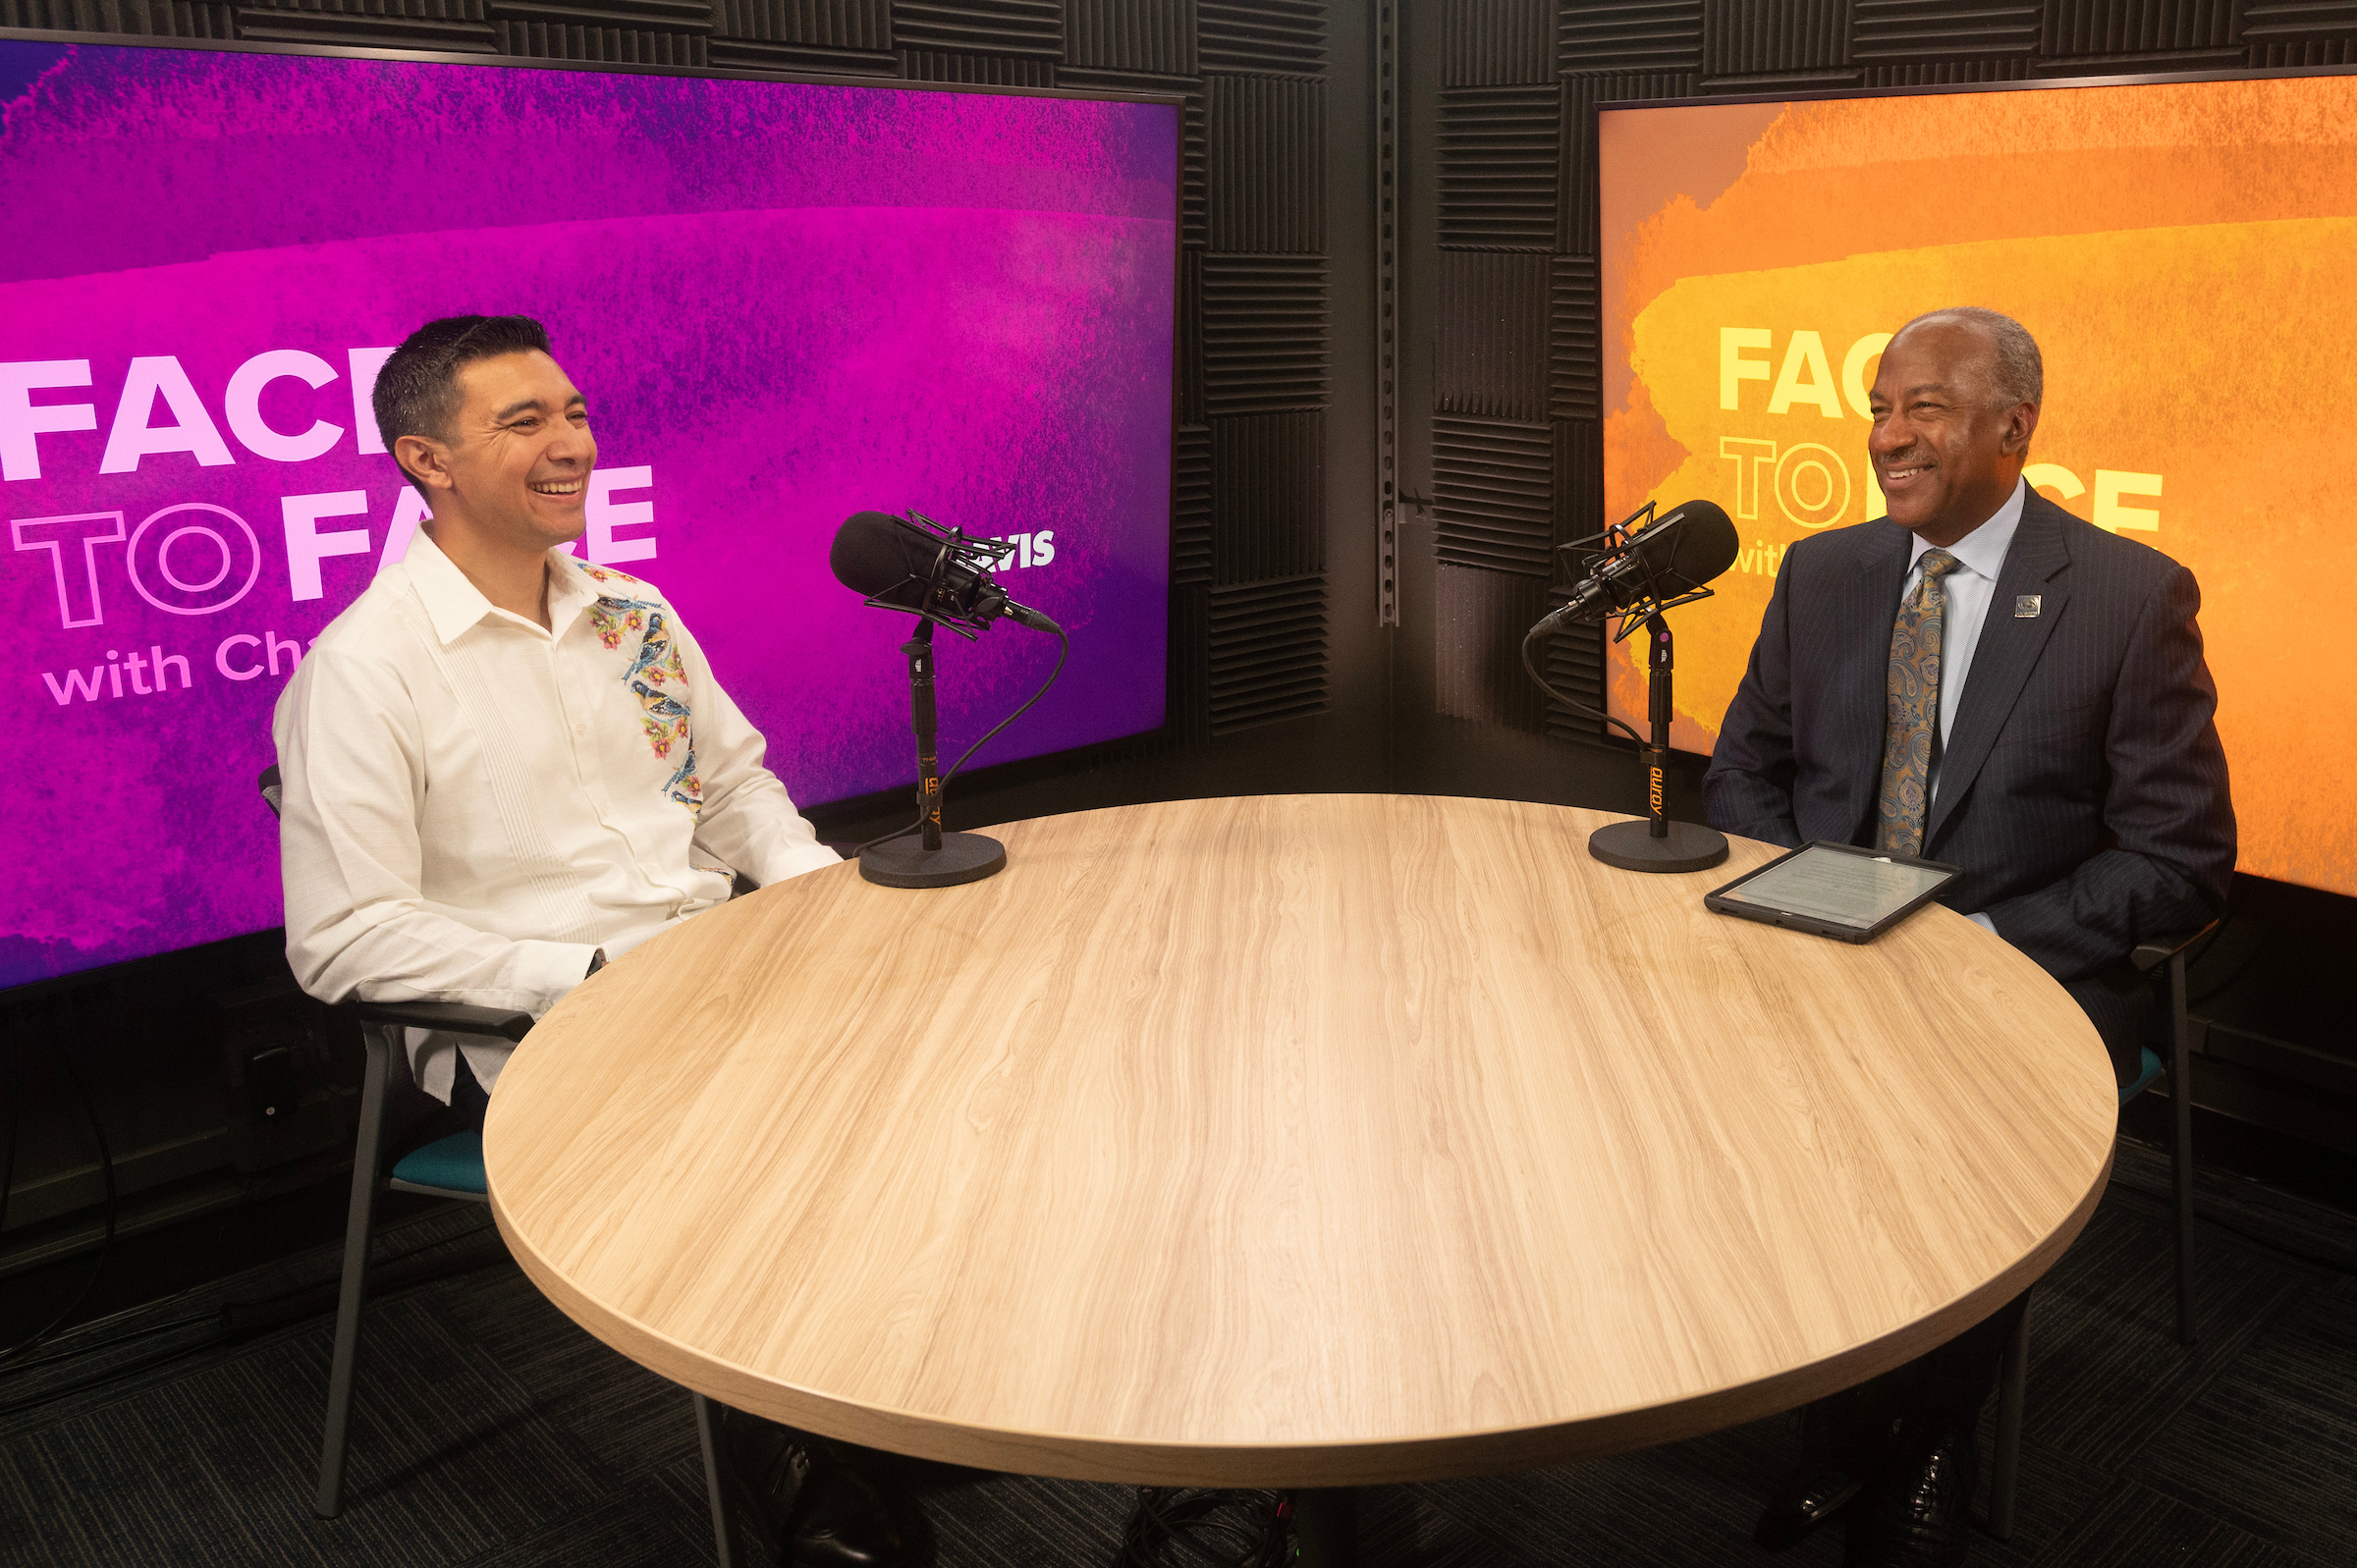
(656, 677)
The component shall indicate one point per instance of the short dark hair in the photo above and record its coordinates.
(418, 387)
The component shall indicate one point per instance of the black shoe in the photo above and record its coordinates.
(1922, 1515)
(1806, 1498)
(1843, 1439)
(841, 1521)
(807, 1506)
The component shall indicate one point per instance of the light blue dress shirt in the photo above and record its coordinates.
(1980, 557)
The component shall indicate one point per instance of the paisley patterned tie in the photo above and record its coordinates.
(1911, 710)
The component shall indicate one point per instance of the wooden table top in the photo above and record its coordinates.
(1291, 1141)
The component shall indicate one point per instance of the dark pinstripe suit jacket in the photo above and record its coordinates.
(2083, 789)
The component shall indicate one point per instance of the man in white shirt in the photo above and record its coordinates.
(503, 765)
(502, 760)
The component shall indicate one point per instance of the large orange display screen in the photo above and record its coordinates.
(2185, 254)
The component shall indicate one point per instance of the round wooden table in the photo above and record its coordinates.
(1292, 1141)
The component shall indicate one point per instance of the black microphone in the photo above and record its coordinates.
(1694, 544)
(892, 562)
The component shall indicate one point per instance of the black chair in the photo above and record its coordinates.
(2162, 959)
(446, 1168)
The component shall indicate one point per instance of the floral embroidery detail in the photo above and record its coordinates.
(656, 677)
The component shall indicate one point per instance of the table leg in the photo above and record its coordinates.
(714, 1443)
(1326, 1519)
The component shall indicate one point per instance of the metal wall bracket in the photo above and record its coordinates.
(1386, 306)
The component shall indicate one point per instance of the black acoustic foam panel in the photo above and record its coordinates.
(1191, 507)
(1153, 37)
(1277, 36)
(1496, 44)
(1265, 186)
(1023, 28)
(1265, 324)
(2104, 27)
(1267, 646)
(1498, 152)
(1752, 38)
(1490, 349)
(1630, 35)
(1915, 29)
(1267, 496)
(1573, 364)
(1480, 612)
(1493, 504)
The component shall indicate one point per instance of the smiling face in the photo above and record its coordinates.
(517, 456)
(1947, 447)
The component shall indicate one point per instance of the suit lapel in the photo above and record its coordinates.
(2007, 653)
(1863, 662)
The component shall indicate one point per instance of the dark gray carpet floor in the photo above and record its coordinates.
(491, 1431)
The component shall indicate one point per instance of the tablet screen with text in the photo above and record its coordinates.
(1848, 890)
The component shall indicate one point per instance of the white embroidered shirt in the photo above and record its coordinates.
(474, 805)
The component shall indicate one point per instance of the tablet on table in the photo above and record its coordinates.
(1835, 889)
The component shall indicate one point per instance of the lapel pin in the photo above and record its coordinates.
(2025, 608)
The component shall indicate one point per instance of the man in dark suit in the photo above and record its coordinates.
(1979, 678)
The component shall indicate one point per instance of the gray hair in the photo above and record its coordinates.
(2019, 374)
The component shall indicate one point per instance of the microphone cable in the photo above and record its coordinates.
(1064, 649)
(1577, 707)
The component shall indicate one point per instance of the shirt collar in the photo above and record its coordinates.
(454, 604)
(570, 590)
(1983, 551)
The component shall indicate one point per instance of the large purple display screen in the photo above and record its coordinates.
(785, 303)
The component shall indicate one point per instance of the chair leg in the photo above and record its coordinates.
(2181, 1152)
(714, 1444)
(2012, 1381)
(355, 1289)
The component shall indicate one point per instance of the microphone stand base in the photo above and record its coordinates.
(1632, 846)
(962, 857)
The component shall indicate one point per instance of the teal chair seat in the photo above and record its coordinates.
(448, 1164)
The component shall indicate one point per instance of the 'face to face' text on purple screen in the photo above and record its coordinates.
(785, 303)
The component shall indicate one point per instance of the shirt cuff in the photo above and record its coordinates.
(1984, 922)
(547, 970)
(799, 859)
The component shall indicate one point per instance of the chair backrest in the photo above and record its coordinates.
(273, 792)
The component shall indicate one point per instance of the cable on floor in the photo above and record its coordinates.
(1199, 1527)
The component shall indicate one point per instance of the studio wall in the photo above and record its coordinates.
(1276, 682)
(1497, 407)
